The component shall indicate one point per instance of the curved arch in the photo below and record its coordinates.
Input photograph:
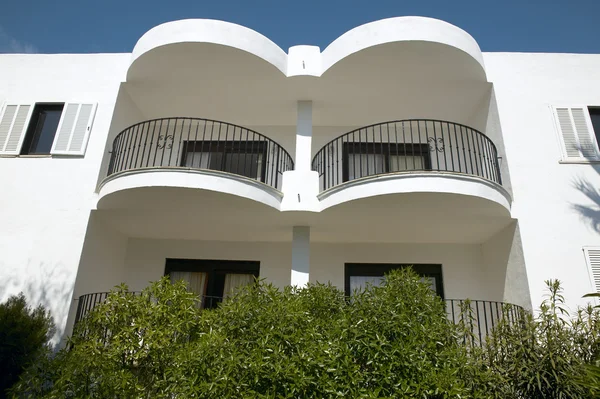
(401, 29)
(209, 31)
(370, 35)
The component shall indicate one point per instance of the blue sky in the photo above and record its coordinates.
(75, 26)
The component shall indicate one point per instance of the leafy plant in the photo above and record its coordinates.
(388, 341)
(24, 336)
(545, 356)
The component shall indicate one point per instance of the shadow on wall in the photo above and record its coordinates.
(589, 213)
(48, 285)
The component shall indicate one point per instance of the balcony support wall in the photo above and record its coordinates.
(303, 136)
(301, 186)
(300, 256)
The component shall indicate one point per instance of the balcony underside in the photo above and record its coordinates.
(199, 214)
(367, 213)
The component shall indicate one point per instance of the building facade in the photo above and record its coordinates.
(212, 155)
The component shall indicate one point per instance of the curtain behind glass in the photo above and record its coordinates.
(361, 165)
(359, 283)
(235, 281)
(399, 163)
(201, 160)
(196, 282)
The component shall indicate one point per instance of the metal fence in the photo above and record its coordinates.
(477, 318)
(407, 146)
(195, 143)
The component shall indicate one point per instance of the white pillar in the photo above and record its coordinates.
(303, 136)
(300, 255)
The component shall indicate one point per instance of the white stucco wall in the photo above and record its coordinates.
(145, 260)
(464, 270)
(553, 232)
(45, 202)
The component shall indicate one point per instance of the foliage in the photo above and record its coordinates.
(24, 336)
(388, 341)
(545, 356)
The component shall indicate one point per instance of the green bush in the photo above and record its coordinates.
(545, 356)
(388, 341)
(24, 336)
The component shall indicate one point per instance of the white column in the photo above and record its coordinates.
(300, 255)
(303, 136)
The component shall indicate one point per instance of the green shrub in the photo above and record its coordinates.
(388, 341)
(545, 356)
(24, 336)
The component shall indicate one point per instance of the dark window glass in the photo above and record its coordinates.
(358, 275)
(42, 129)
(368, 159)
(212, 280)
(595, 116)
(246, 158)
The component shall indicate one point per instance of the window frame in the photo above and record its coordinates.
(391, 149)
(595, 134)
(564, 158)
(215, 269)
(32, 127)
(257, 147)
(380, 269)
(73, 130)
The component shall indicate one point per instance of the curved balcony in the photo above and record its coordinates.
(189, 171)
(196, 143)
(86, 303)
(475, 317)
(440, 177)
(414, 145)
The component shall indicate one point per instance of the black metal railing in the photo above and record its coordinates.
(86, 303)
(479, 318)
(407, 146)
(195, 143)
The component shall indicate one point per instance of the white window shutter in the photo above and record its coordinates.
(577, 134)
(74, 129)
(13, 125)
(592, 257)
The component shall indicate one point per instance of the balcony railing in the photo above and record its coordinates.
(86, 303)
(195, 143)
(478, 318)
(407, 146)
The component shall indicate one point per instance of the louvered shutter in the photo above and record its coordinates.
(577, 135)
(592, 257)
(13, 124)
(74, 129)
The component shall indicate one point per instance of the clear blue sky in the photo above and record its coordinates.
(75, 26)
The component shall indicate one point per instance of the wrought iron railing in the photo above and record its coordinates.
(86, 303)
(407, 146)
(195, 143)
(477, 318)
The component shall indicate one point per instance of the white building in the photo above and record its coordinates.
(211, 150)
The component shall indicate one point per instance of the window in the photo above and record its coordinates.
(579, 129)
(42, 129)
(245, 158)
(367, 159)
(592, 258)
(212, 280)
(595, 117)
(57, 128)
(358, 275)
